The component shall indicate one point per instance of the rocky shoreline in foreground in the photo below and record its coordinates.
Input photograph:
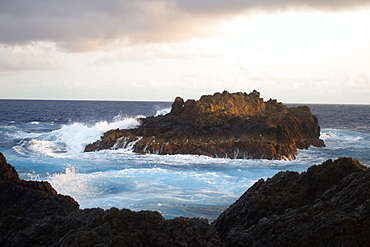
(328, 205)
(223, 125)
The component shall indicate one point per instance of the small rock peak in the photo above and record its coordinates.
(348, 164)
(179, 100)
(189, 104)
(225, 93)
(255, 93)
(205, 98)
(217, 95)
(272, 101)
(7, 172)
(177, 106)
(2, 159)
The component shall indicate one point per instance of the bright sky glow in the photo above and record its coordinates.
(294, 55)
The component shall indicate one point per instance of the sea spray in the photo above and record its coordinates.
(68, 139)
(77, 135)
(72, 183)
(162, 112)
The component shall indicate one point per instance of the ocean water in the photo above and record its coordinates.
(44, 140)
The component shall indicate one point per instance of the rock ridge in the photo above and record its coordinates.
(224, 125)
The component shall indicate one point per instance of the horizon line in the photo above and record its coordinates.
(167, 101)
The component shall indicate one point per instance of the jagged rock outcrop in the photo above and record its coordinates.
(33, 214)
(329, 205)
(226, 125)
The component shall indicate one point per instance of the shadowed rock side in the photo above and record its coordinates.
(33, 214)
(237, 125)
(329, 205)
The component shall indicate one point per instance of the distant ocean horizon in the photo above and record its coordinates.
(44, 140)
(167, 101)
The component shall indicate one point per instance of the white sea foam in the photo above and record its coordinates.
(19, 149)
(19, 134)
(162, 112)
(32, 175)
(338, 139)
(39, 148)
(120, 122)
(72, 183)
(45, 148)
(69, 139)
(146, 188)
(77, 135)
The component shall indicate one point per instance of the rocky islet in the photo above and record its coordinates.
(224, 125)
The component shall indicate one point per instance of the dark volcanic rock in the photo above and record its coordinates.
(33, 214)
(237, 125)
(329, 205)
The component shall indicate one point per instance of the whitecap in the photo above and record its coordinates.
(67, 141)
(163, 111)
(39, 147)
(338, 139)
(76, 136)
(78, 185)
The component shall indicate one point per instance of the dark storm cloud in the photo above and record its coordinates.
(86, 24)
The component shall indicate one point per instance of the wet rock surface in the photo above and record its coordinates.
(226, 125)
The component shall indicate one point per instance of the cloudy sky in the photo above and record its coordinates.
(296, 51)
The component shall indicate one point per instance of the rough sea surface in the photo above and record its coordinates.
(44, 140)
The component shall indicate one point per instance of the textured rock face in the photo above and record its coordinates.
(328, 205)
(237, 125)
(34, 214)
